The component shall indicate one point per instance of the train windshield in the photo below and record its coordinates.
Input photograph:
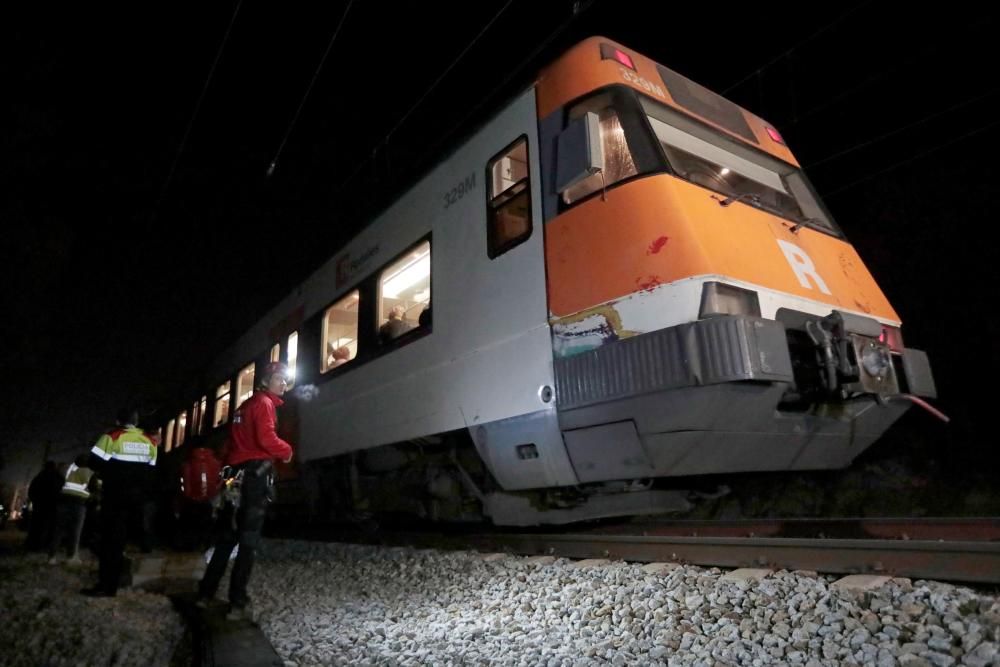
(707, 157)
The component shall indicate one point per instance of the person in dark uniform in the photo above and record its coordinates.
(124, 458)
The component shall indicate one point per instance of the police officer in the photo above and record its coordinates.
(252, 447)
(124, 458)
(71, 511)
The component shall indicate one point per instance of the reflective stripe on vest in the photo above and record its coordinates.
(76, 482)
(131, 445)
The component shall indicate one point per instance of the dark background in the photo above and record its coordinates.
(128, 265)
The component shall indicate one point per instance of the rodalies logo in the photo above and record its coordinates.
(348, 268)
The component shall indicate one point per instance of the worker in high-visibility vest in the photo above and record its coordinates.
(124, 459)
(71, 510)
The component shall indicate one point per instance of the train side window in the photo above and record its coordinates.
(202, 409)
(293, 357)
(618, 160)
(169, 442)
(195, 418)
(405, 294)
(182, 420)
(276, 352)
(508, 215)
(221, 405)
(340, 333)
(244, 384)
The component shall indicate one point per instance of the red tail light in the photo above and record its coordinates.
(892, 337)
(609, 52)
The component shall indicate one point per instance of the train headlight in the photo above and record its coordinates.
(722, 299)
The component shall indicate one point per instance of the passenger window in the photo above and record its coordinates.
(195, 418)
(221, 405)
(618, 161)
(405, 294)
(169, 442)
(182, 420)
(293, 357)
(508, 217)
(340, 333)
(244, 385)
(276, 352)
(203, 407)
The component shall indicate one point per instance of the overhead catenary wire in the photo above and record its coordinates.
(898, 130)
(918, 156)
(312, 82)
(194, 115)
(579, 8)
(797, 46)
(425, 94)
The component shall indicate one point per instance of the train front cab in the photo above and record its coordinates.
(708, 316)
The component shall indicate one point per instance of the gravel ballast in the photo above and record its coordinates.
(44, 620)
(334, 604)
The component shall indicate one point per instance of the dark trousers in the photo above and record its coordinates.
(119, 506)
(70, 515)
(241, 526)
(41, 526)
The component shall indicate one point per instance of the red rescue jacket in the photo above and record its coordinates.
(253, 435)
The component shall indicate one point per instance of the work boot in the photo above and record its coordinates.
(238, 614)
(96, 592)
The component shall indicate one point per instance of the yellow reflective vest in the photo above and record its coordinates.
(77, 480)
(127, 444)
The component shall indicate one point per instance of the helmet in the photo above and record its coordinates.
(272, 369)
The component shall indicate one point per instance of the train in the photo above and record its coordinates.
(632, 281)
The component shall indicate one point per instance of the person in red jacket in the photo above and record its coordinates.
(252, 448)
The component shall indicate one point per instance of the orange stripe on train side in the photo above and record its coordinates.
(661, 229)
(580, 70)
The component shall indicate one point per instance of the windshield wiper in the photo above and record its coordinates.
(746, 196)
(805, 222)
(755, 201)
(752, 199)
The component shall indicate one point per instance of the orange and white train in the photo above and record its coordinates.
(621, 277)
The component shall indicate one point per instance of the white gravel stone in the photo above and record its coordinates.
(44, 620)
(347, 604)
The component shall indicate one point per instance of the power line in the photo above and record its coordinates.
(898, 130)
(928, 50)
(447, 70)
(916, 157)
(797, 46)
(197, 108)
(274, 162)
(579, 8)
(427, 92)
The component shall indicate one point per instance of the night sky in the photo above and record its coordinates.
(119, 284)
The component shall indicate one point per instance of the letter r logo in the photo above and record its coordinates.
(803, 266)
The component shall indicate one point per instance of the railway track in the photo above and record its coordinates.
(961, 550)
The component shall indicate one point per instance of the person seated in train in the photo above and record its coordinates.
(394, 327)
(339, 356)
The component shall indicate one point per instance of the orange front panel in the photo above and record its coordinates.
(581, 70)
(661, 229)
